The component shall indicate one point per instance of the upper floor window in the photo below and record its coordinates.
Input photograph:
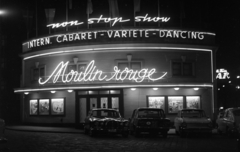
(38, 72)
(134, 64)
(180, 68)
(79, 67)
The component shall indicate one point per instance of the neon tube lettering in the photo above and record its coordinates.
(64, 24)
(92, 74)
(150, 19)
(107, 20)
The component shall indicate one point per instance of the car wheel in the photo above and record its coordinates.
(177, 132)
(86, 131)
(218, 130)
(228, 132)
(209, 134)
(131, 132)
(182, 133)
(92, 133)
(136, 133)
(165, 134)
(125, 134)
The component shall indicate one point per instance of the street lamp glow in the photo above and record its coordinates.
(2, 12)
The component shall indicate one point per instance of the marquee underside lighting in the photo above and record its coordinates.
(114, 86)
(115, 48)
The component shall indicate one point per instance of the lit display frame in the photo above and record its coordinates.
(48, 105)
(192, 103)
(58, 106)
(156, 102)
(33, 107)
(175, 103)
(44, 106)
(167, 102)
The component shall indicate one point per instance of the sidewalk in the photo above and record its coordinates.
(44, 129)
(61, 129)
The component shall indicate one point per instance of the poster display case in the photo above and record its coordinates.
(33, 107)
(44, 107)
(156, 102)
(193, 102)
(175, 103)
(57, 106)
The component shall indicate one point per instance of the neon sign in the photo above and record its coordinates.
(123, 34)
(93, 74)
(150, 19)
(108, 20)
(222, 74)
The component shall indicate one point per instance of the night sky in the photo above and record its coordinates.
(221, 17)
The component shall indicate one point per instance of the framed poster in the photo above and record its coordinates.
(115, 102)
(193, 102)
(33, 107)
(57, 106)
(44, 107)
(175, 103)
(93, 103)
(104, 102)
(156, 102)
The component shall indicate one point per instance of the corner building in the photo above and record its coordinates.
(65, 75)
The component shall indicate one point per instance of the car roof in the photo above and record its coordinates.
(147, 108)
(233, 108)
(191, 109)
(105, 109)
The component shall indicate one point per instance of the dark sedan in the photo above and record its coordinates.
(150, 120)
(105, 121)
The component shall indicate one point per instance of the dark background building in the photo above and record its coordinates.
(26, 19)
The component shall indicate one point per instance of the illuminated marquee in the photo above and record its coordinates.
(112, 20)
(222, 74)
(93, 74)
(123, 34)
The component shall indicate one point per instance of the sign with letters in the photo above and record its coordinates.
(222, 74)
(113, 21)
(155, 35)
(92, 74)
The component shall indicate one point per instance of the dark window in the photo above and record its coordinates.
(182, 68)
(37, 73)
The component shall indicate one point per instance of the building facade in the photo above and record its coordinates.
(64, 75)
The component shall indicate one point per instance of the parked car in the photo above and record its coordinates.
(108, 121)
(192, 120)
(150, 120)
(228, 122)
(2, 130)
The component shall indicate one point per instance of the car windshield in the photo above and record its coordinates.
(146, 113)
(236, 112)
(193, 113)
(106, 113)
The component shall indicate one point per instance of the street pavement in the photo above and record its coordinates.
(70, 141)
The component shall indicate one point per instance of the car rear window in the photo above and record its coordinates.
(193, 113)
(236, 112)
(106, 113)
(146, 113)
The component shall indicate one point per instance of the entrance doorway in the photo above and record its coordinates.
(90, 99)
